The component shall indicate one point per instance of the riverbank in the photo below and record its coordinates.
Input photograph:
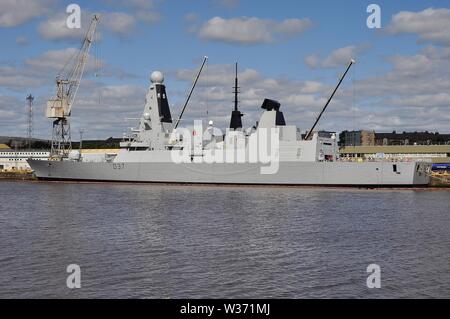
(22, 176)
(440, 181)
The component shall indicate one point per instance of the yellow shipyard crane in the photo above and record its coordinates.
(59, 107)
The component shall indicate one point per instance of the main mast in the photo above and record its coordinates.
(236, 115)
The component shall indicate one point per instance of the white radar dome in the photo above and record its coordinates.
(157, 77)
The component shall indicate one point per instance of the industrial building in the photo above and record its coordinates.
(371, 138)
(11, 160)
(4, 147)
(412, 138)
(429, 153)
(17, 161)
(357, 138)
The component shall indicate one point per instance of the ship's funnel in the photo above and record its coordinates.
(236, 120)
(272, 105)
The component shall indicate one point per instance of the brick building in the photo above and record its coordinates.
(371, 138)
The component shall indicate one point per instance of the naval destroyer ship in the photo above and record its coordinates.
(270, 153)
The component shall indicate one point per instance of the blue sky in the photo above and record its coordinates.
(292, 51)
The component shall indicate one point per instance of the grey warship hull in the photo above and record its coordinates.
(367, 174)
(268, 153)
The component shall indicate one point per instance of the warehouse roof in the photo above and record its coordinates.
(396, 149)
(4, 147)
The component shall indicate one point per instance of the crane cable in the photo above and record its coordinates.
(353, 98)
(207, 89)
(98, 63)
(70, 60)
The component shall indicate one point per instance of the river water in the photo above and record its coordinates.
(148, 241)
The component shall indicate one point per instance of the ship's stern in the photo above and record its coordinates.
(421, 173)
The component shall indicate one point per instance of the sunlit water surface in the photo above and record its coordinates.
(147, 241)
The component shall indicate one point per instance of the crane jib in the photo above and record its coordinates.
(59, 107)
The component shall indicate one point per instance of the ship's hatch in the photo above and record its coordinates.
(163, 104)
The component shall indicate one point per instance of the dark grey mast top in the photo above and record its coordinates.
(236, 115)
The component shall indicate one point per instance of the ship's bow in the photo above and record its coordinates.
(40, 168)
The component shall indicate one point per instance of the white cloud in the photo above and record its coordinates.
(338, 58)
(118, 23)
(301, 100)
(385, 103)
(12, 115)
(142, 10)
(19, 81)
(6, 114)
(251, 30)
(55, 28)
(427, 72)
(424, 100)
(17, 12)
(411, 65)
(312, 87)
(292, 26)
(121, 93)
(17, 78)
(313, 60)
(431, 25)
(115, 103)
(218, 74)
(56, 60)
(409, 97)
(40, 71)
